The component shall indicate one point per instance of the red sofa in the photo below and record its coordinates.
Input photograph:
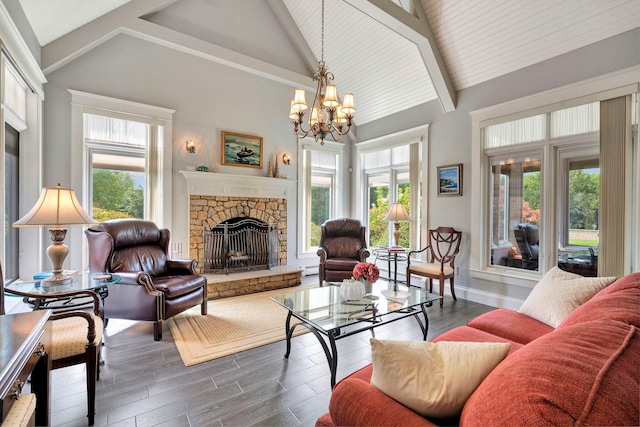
(584, 372)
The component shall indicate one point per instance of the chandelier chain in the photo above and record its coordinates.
(329, 117)
(322, 36)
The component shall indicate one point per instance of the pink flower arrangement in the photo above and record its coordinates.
(366, 271)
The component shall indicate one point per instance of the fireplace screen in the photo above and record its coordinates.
(240, 244)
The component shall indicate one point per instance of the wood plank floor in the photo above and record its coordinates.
(144, 382)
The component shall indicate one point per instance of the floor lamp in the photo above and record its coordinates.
(56, 208)
(396, 214)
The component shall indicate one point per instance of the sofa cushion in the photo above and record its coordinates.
(558, 293)
(585, 374)
(511, 325)
(425, 376)
(355, 402)
(618, 301)
(466, 333)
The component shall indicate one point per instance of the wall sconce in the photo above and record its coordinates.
(191, 146)
(286, 159)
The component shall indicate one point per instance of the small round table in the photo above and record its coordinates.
(59, 297)
(395, 254)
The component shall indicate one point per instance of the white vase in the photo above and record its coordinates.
(352, 289)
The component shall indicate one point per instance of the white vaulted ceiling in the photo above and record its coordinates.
(392, 54)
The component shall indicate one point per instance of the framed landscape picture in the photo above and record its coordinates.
(241, 150)
(450, 180)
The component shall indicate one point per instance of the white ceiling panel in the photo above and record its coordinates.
(484, 39)
(384, 70)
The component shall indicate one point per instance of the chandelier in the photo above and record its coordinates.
(328, 117)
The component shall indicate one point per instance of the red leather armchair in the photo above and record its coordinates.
(342, 246)
(153, 286)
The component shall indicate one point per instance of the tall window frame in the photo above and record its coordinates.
(121, 152)
(604, 88)
(410, 166)
(319, 174)
(158, 163)
(22, 110)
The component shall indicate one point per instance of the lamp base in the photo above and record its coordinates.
(57, 252)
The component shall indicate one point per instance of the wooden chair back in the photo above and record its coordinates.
(444, 245)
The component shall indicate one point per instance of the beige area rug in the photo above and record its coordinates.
(231, 325)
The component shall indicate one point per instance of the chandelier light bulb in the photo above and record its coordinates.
(348, 104)
(331, 97)
(299, 101)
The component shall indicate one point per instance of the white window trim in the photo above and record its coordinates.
(309, 259)
(620, 83)
(15, 50)
(81, 103)
(418, 137)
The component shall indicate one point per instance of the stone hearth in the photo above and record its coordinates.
(229, 285)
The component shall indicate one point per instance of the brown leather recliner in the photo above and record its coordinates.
(153, 287)
(342, 246)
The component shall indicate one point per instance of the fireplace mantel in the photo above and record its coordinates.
(222, 184)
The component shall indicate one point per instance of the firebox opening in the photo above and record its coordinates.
(240, 244)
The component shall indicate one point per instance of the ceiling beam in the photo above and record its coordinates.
(167, 37)
(61, 51)
(417, 31)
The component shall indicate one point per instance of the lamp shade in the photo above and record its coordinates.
(56, 207)
(397, 213)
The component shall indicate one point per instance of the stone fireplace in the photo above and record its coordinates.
(209, 212)
(216, 199)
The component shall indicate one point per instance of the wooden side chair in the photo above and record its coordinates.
(444, 245)
(76, 337)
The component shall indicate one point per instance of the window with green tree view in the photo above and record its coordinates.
(320, 192)
(387, 175)
(117, 150)
(568, 139)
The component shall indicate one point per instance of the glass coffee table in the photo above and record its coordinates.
(326, 313)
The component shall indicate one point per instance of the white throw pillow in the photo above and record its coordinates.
(433, 379)
(558, 293)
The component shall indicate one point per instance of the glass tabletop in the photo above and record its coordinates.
(327, 310)
(83, 281)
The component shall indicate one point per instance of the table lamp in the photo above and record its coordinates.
(56, 207)
(396, 214)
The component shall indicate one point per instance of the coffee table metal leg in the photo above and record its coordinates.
(289, 332)
(425, 326)
(330, 351)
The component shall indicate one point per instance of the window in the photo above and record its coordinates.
(14, 104)
(515, 211)
(125, 146)
(517, 152)
(387, 174)
(116, 150)
(320, 190)
(11, 203)
(579, 235)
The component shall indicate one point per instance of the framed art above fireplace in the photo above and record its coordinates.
(241, 150)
